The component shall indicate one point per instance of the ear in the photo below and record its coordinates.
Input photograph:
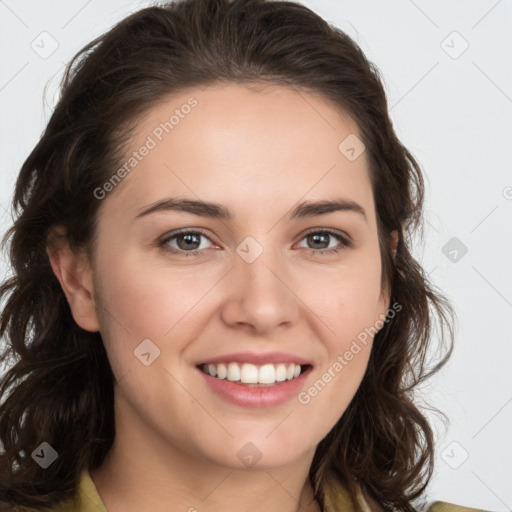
(75, 276)
(385, 295)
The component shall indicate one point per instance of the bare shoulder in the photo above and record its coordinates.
(443, 506)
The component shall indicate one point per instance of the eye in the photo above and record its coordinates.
(185, 240)
(323, 237)
(188, 242)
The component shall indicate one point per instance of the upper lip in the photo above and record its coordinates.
(257, 358)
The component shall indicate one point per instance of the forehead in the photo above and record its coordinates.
(246, 147)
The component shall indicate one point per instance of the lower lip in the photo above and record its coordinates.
(255, 396)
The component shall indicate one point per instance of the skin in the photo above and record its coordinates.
(258, 153)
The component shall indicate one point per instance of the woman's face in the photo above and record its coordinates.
(263, 286)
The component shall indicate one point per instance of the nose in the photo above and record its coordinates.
(260, 297)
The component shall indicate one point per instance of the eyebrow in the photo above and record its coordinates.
(218, 211)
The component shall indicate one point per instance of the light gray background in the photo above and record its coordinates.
(452, 109)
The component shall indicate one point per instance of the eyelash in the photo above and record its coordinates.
(345, 242)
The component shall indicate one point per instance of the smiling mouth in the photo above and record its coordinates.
(252, 375)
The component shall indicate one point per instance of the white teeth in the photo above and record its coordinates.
(233, 372)
(281, 373)
(248, 373)
(267, 374)
(222, 371)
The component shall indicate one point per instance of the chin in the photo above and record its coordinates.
(254, 455)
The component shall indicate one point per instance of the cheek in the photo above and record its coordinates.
(346, 299)
(333, 391)
(349, 307)
(149, 301)
(168, 306)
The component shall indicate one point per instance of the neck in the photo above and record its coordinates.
(129, 487)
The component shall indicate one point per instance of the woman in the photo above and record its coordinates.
(253, 369)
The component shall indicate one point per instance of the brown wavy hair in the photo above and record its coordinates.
(59, 386)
